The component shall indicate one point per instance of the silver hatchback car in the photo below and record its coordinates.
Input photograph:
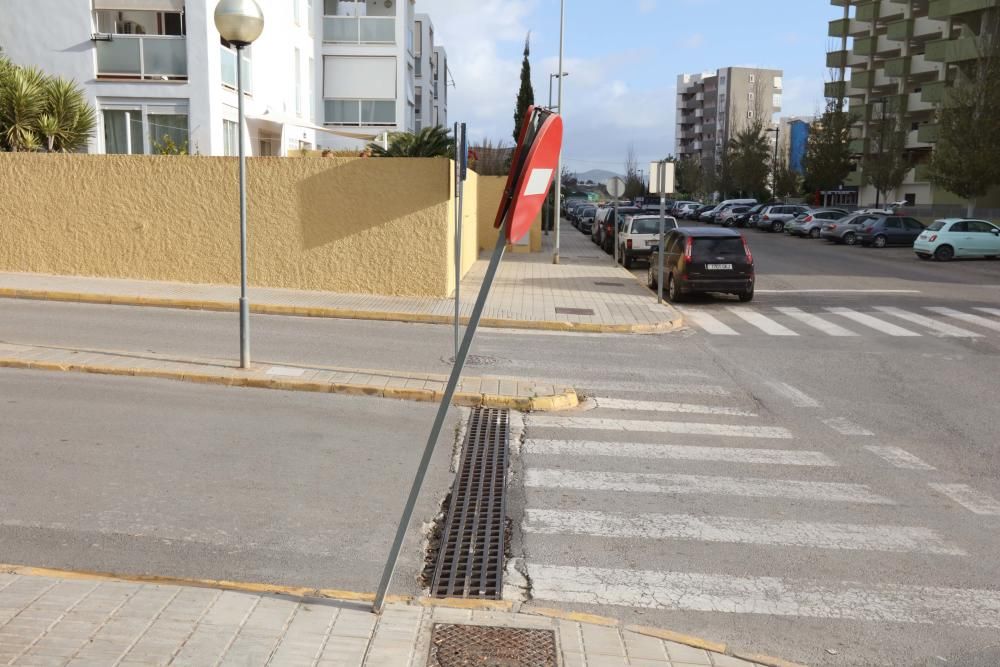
(811, 222)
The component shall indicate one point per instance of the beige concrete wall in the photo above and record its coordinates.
(470, 230)
(490, 191)
(374, 226)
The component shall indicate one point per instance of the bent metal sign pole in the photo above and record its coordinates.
(533, 167)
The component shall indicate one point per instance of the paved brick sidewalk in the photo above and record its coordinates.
(586, 292)
(49, 621)
(497, 392)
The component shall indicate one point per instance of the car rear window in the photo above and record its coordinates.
(716, 247)
(650, 226)
(937, 226)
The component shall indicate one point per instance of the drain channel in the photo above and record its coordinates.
(470, 553)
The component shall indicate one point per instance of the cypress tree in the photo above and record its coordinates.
(526, 95)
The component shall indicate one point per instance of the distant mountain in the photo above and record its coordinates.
(595, 175)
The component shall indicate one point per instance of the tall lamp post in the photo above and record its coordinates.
(562, 29)
(555, 206)
(240, 22)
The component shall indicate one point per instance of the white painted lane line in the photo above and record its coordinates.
(575, 448)
(692, 591)
(744, 487)
(815, 322)
(899, 458)
(838, 291)
(844, 426)
(873, 322)
(796, 397)
(688, 428)
(651, 387)
(765, 324)
(658, 406)
(975, 501)
(989, 311)
(710, 323)
(978, 320)
(941, 329)
(736, 530)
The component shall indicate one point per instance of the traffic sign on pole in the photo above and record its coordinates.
(616, 187)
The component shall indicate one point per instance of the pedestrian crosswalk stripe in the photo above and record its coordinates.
(745, 487)
(797, 397)
(937, 328)
(710, 323)
(652, 386)
(816, 322)
(873, 322)
(845, 426)
(688, 428)
(693, 591)
(975, 501)
(659, 406)
(990, 311)
(738, 530)
(978, 320)
(900, 458)
(576, 448)
(765, 324)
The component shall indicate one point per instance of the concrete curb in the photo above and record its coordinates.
(337, 313)
(565, 400)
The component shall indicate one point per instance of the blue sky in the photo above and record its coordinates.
(623, 57)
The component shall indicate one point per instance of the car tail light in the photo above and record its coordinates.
(628, 243)
(688, 246)
(867, 229)
(832, 227)
(933, 238)
(767, 217)
(746, 249)
(808, 218)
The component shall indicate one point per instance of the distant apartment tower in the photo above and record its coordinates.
(712, 107)
(793, 136)
(903, 54)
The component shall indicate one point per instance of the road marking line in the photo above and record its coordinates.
(975, 501)
(688, 428)
(937, 328)
(815, 322)
(844, 426)
(737, 530)
(651, 387)
(749, 487)
(838, 291)
(978, 320)
(798, 398)
(710, 323)
(773, 596)
(899, 458)
(657, 406)
(873, 322)
(989, 311)
(575, 448)
(765, 324)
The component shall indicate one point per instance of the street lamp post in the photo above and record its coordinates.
(555, 206)
(562, 29)
(774, 164)
(240, 22)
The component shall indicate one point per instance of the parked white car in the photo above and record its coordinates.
(639, 235)
(957, 237)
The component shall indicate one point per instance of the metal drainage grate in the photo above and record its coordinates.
(470, 553)
(573, 311)
(464, 645)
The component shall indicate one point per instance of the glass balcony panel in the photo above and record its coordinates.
(378, 30)
(166, 57)
(119, 56)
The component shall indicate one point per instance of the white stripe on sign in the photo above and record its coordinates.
(748, 487)
(575, 448)
(538, 182)
(710, 323)
(765, 324)
(657, 406)
(815, 322)
(773, 596)
(873, 322)
(899, 458)
(688, 428)
(978, 320)
(737, 530)
(795, 396)
(844, 426)
(975, 501)
(937, 328)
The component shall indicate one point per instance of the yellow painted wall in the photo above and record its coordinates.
(371, 226)
(470, 232)
(490, 191)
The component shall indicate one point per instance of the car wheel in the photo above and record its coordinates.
(850, 238)
(778, 227)
(651, 277)
(880, 241)
(673, 292)
(814, 233)
(944, 253)
(746, 296)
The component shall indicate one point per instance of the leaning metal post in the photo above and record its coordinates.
(449, 392)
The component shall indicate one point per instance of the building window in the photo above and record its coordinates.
(360, 112)
(750, 113)
(167, 129)
(230, 137)
(311, 87)
(359, 22)
(297, 69)
(144, 130)
(123, 132)
(777, 82)
(228, 60)
(753, 78)
(360, 90)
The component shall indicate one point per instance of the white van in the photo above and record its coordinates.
(709, 216)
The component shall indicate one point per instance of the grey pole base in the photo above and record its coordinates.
(244, 332)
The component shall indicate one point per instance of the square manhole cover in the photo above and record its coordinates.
(487, 646)
(573, 311)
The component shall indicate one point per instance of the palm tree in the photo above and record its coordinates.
(22, 102)
(37, 111)
(428, 142)
(69, 120)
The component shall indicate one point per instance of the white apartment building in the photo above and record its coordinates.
(430, 67)
(324, 73)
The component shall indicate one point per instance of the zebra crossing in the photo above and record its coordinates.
(638, 477)
(843, 322)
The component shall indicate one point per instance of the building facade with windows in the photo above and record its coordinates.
(324, 73)
(714, 106)
(901, 56)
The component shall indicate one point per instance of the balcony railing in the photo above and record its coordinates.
(229, 69)
(359, 29)
(158, 57)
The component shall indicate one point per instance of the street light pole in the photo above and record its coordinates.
(558, 221)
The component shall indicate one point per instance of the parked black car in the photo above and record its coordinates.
(883, 230)
(704, 259)
(696, 213)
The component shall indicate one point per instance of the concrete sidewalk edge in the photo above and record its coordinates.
(564, 400)
(337, 313)
(354, 596)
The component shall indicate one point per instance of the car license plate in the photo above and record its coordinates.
(650, 244)
(719, 267)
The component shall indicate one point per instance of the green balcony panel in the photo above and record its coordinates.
(868, 11)
(836, 59)
(933, 93)
(942, 9)
(839, 28)
(939, 9)
(835, 89)
(900, 30)
(952, 50)
(936, 51)
(897, 67)
(853, 179)
(928, 134)
(862, 79)
(865, 46)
